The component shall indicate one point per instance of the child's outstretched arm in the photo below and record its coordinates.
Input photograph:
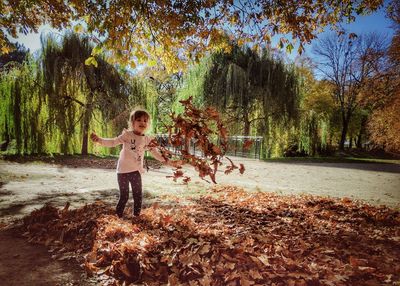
(107, 142)
(153, 147)
(158, 156)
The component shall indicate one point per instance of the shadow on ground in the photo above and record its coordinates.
(22, 264)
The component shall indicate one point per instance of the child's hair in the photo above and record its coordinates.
(138, 113)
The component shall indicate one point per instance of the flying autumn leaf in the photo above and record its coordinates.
(241, 168)
(247, 144)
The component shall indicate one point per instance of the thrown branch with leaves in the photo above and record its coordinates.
(205, 129)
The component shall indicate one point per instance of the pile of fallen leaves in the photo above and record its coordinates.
(230, 237)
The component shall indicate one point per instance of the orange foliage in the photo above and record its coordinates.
(384, 125)
(177, 32)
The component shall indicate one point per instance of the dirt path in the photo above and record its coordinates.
(374, 183)
(22, 264)
(25, 187)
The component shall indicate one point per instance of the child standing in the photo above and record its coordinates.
(130, 163)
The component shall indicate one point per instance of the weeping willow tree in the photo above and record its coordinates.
(257, 94)
(252, 88)
(6, 114)
(23, 112)
(74, 91)
(318, 126)
(50, 104)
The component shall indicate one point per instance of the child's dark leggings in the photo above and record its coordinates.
(136, 183)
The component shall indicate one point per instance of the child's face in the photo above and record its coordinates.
(140, 124)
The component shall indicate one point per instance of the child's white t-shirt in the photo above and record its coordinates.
(132, 153)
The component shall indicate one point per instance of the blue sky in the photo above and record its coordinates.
(376, 22)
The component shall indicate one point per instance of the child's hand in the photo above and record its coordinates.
(175, 163)
(94, 137)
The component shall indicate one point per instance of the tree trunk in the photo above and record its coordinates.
(266, 139)
(86, 124)
(17, 117)
(91, 82)
(346, 115)
(314, 135)
(314, 144)
(345, 127)
(246, 131)
(362, 131)
(6, 135)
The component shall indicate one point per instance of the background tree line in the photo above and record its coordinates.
(49, 103)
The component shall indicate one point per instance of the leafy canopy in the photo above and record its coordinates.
(175, 32)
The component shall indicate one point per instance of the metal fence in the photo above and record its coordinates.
(236, 146)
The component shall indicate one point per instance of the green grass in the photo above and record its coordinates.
(333, 160)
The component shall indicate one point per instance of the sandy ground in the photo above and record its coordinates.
(28, 186)
(25, 187)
